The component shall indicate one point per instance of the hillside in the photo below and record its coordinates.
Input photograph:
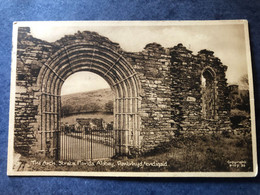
(92, 101)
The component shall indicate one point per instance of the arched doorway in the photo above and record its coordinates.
(104, 62)
(208, 85)
(86, 129)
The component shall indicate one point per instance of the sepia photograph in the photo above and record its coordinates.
(132, 99)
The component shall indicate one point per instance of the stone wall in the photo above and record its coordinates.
(170, 80)
(187, 71)
(31, 54)
(153, 68)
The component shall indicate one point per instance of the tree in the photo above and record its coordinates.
(244, 94)
(109, 106)
(243, 83)
(66, 110)
(94, 107)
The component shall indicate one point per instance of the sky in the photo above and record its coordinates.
(226, 40)
(82, 82)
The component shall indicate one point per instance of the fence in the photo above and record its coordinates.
(86, 144)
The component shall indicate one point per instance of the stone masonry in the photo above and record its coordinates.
(171, 90)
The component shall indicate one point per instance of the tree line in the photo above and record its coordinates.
(67, 110)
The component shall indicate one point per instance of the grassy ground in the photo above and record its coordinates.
(207, 153)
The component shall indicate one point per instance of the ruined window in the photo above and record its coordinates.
(208, 94)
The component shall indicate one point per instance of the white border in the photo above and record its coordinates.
(10, 170)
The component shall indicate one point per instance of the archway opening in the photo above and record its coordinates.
(86, 118)
(86, 94)
(208, 94)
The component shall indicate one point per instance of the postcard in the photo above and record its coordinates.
(132, 99)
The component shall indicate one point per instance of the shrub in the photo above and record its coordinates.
(226, 134)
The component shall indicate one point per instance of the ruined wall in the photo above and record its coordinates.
(170, 96)
(31, 54)
(153, 68)
(187, 101)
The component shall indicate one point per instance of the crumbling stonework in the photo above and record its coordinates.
(166, 96)
(31, 53)
(187, 89)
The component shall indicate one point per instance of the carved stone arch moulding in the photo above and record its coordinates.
(108, 64)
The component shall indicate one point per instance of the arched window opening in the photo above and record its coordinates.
(208, 94)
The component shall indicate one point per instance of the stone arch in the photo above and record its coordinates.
(209, 93)
(108, 64)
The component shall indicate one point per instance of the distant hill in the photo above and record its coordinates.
(86, 102)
